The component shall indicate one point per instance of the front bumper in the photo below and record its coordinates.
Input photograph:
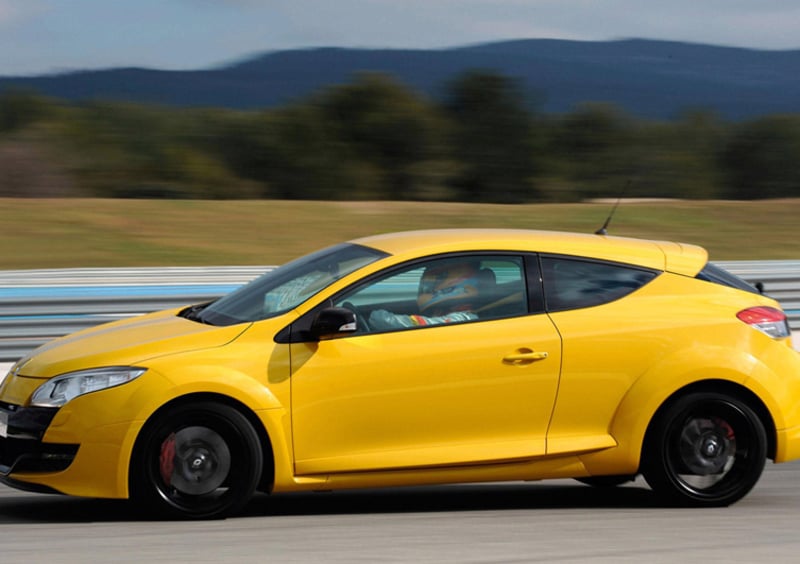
(82, 448)
(21, 447)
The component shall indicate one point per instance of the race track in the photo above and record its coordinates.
(559, 521)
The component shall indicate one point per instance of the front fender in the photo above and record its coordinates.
(255, 385)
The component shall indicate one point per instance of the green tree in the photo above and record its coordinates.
(594, 148)
(761, 159)
(307, 161)
(135, 151)
(387, 129)
(492, 138)
(21, 108)
(244, 141)
(679, 159)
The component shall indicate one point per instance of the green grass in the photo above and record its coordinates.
(55, 233)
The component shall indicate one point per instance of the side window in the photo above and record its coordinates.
(718, 275)
(454, 289)
(573, 283)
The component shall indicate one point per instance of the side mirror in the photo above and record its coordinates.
(333, 322)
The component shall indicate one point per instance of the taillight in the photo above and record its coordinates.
(769, 320)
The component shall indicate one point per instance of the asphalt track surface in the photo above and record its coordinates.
(549, 521)
(558, 521)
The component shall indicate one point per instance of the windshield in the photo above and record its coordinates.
(286, 287)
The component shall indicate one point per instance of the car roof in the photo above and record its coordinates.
(661, 255)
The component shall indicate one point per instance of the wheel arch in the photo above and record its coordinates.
(735, 390)
(637, 411)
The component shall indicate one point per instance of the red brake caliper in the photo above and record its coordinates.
(729, 432)
(167, 458)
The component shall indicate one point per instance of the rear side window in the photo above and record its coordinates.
(576, 283)
(718, 275)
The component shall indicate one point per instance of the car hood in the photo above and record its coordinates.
(123, 343)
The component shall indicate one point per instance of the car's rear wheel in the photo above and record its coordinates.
(705, 449)
(200, 460)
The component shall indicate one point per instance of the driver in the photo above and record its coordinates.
(447, 293)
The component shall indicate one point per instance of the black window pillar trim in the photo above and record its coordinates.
(534, 283)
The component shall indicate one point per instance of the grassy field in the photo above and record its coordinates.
(54, 233)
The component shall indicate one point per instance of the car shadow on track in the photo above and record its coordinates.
(27, 508)
(489, 497)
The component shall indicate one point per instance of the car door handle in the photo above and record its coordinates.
(524, 357)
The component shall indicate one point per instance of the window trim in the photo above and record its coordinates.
(534, 283)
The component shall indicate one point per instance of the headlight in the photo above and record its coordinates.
(61, 389)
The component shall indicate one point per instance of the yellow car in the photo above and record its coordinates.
(420, 358)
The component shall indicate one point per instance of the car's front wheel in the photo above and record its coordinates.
(201, 460)
(705, 449)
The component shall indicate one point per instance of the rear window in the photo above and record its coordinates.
(718, 275)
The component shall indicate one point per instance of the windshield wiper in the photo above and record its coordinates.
(192, 313)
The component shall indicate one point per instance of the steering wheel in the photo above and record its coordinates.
(361, 321)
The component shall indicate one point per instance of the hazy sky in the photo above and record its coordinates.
(38, 36)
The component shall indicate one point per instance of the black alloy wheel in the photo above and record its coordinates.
(705, 449)
(197, 461)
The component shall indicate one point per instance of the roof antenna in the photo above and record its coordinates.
(604, 230)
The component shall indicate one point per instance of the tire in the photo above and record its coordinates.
(196, 461)
(606, 481)
(704, 450)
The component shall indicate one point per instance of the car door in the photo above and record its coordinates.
(427, 391)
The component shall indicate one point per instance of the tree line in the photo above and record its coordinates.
(482, 140)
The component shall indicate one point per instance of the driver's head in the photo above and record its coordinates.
(448, 286)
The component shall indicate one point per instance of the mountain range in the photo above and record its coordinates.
(646, 78)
